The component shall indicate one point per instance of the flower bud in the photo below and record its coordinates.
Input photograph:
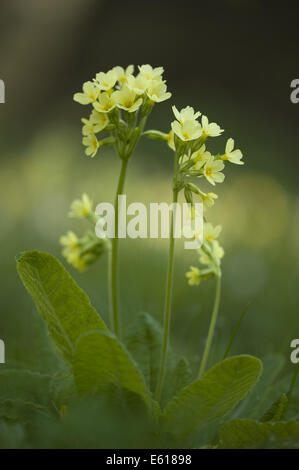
(156, 135)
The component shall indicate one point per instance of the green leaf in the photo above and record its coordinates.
(257, 401)
(63, 389)
(21, 411)
(65, 307)
(12, 435)
(250, 434)
(101, 360)
(276, 412)
(211, 397)
(282, 386)
(145, 344)
(176, 379)
(23, 393)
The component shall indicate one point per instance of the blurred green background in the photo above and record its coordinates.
(232, 60)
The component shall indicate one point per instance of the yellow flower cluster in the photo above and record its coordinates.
(121, 102)
(193, 276)
(189, 135)
(197, 161)
(115, 91)
(233, 156)
(81, 252)
(187, 127)
(71, 250)
(210, 255)
(81, 208)
(187, 138)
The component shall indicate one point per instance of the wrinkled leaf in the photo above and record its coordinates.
(63, 389)
(176, 379)
(144, 342)
(23, 393)
(211, 397)
(276, 411)
(65, 307)
(257, 401)
(250, 434)
(101, 360)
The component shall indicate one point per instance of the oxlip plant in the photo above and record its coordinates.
(192, 160)
(137, 370)
(120, 104)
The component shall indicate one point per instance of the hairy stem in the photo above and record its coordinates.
(168, 295)
(114, 294)
(211, 328)
(125, 153)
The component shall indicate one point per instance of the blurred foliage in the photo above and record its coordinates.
(242, 81)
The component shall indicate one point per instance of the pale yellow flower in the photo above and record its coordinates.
(92, 144)
(186, 114)
(212, 171)
(170, 140)
(200, 157)
(210, 232)
(157, 91)
(88, 128)
(193, 276)
(233, 156)
(76, 260)
(151, 73)
(105, 103)
(138, 84)
(96, 123)
(106, 81)
(210, 129)
(89, 95)
(204, 258)
(126, 99)
(81, 208)
(70, 240)
(218, 252)
(122, 74)
(189, 130)
(99, 120)
(71, 250)
(208, 199)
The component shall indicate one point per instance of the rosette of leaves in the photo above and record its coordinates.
(97, 364)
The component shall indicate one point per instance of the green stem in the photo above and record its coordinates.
(114, 295)
(211, 328)
(235, 331)
(168, 297)
(124, 153)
